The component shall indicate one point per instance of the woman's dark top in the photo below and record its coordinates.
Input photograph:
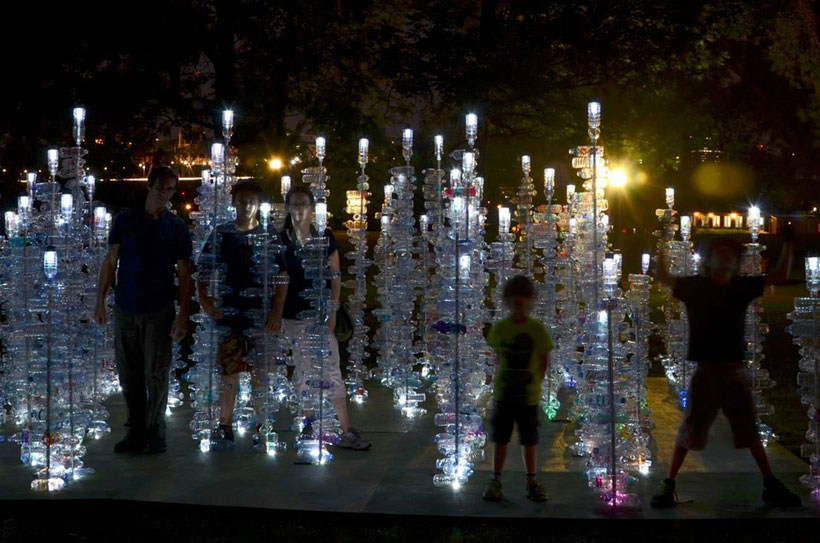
(294, 302)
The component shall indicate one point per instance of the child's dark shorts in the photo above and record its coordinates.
(507, 414)
(715, 387)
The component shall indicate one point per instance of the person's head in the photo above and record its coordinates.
(519, 294)
(723, 259)
(162, 183)
(245, 198)
(299, 203)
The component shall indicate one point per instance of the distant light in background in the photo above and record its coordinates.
(275, 164)
(617, 177)
(188, 207)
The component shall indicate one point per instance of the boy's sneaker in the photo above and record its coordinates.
(535, 490)
(494, 492)
(155, 444)
(774, 493)
(666, 496)
(133, 442)
(353, 439)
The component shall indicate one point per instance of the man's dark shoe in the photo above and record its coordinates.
(155, 444)
(774, 493)
(666, 497)
(227, 432)
(133, 442)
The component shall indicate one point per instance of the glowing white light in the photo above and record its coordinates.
(217, 153)
(455, 177)
(549, 179)
(320, 148)
(685, 227)
(503, 220)
(11, 224)
(321, 216)
(79, 115)
(364, 145)
(285, 185)
(206, 177)
(438, 141)
(468, 163)
(264, 212)
(594, 115)
(407, 139)
(66, 205)
(388, 192)
(670, 198)
(464, 265)
(50, 264)
(645, 260)
(471, 128)
(570, 193)
(525, 165)
(227, 120)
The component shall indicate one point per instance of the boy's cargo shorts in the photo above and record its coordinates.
(719, 386)
(507, 414)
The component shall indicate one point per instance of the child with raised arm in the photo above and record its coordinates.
(522, 346)
(716, 304)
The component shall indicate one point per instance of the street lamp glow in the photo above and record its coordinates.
(617, 177)
(275, 163)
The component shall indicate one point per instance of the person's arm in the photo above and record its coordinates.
(207, 303)
(273, 322)
(335, 288)
(180, 327)
(107, 271)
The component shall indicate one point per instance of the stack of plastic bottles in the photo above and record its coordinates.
(214, 202)
(756, 330)
(397, 360)
(311, 446)
(674, 332)
(54, 373)
(462, 352)
(524, 246)
(566, 357)
(267, 357)
(545, 238)
(431, 232)
(357, 202)
(501, 260)
(605, 397)
(805, 328)
(637, 304)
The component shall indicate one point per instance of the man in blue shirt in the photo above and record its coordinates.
(146, 244)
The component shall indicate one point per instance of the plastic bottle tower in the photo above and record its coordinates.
(640, 423)
(566, 357)
(385, 260)
(464, 358)
(51, 378)
(805, 328)
(357, 202)
(756, 330)
(267, 357)
(675, 331)
(432, 230)
(397, 360)
(524, 246)
(311, 447)
(603, 389)
(214, 203)
(501, 261)
(545, 238)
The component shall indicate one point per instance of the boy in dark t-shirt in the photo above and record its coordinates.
(235, 253)
(716, 306)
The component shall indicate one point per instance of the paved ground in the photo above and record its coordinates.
(395, 477)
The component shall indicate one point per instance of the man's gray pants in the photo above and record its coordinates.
(143, 358)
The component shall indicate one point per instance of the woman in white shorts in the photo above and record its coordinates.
(297, 229)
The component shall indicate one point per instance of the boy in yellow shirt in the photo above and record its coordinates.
(522, 346)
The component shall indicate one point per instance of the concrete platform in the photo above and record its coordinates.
(395, 476)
